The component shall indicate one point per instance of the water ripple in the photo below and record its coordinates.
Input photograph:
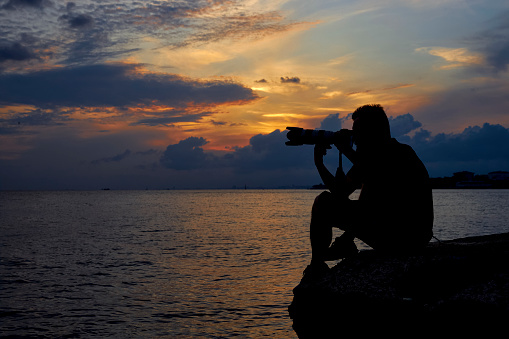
(211, 264)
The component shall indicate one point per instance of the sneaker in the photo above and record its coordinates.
(315, 271)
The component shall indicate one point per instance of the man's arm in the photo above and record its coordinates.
(328, 179)
(339, 184)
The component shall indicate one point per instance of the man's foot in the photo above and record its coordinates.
(341, 248)
(316, 270)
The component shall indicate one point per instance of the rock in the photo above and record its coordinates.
(458, 285)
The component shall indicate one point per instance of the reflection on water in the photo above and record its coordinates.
(174, 263)
(465, 213)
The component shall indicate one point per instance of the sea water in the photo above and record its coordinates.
(214, 264)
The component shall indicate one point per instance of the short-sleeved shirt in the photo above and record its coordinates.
(396, 191)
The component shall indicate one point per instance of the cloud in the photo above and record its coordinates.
(170, 117)
(494, 43)
(403, 124)
(387, 88)
(269, 152)
(15, 51)
(477, 148)
(288, 80)
(79, 21)
(188, 154)
(264, 152)
(400, 125)
(333, 122)
(115, 85)
(119, 28)
(266, 160)
(17, 124)
(122, 156)
(116, 158)
(475, 101)
(212, 21)
(475, 143)
(16, 4)
(330, 95)
(488, 48)
(456, 57)
(76, 20)
(219, 123)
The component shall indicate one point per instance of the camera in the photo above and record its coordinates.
(299, 136)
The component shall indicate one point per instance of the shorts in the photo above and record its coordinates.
(381, 226)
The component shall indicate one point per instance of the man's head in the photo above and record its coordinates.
(370, 125)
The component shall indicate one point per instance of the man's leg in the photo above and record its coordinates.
(321, 227)
(329, 212)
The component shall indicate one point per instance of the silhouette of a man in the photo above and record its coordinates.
(394, 212)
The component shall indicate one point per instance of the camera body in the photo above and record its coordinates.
(299, 136)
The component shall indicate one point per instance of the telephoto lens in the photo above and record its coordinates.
(299, 136)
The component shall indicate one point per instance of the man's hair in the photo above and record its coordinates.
(373, 119)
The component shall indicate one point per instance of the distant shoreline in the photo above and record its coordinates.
(304, 188)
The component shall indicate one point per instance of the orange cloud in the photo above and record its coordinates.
(457, 57)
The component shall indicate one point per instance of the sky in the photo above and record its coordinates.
(198, 93)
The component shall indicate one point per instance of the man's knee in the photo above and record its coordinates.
(322, 202)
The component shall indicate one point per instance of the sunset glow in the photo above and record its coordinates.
(97, 88)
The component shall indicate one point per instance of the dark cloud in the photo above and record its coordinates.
(333, 122)
(481, 149)
(16, 4)
(266, 161)
(93, 47)
(38, 118)
(169, 118)
(475, 143)
(498, 55)
(494, 43)
(400, 125)
(149, 152)
(188, 154)
(269, 152)
(15, 51)
(81, 20)
(115, 85)
(403, 124)
(116, 158)
(261, 81)
(265, 152)
(122, 156)
(19, 122)
(219, 123)
(288, 80)
(76, 20)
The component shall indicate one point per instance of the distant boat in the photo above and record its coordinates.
(318, 187)
(106, 189)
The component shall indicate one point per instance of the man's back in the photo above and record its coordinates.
(396, 189)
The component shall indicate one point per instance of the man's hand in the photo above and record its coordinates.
(320, 152)
(343, 141)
